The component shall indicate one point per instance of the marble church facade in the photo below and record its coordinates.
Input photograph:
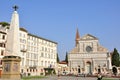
(88, 56)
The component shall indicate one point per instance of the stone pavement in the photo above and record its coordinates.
(65, 78)
(68, 78)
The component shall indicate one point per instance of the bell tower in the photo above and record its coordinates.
(77, 39)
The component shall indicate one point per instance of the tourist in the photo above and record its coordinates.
(99, 77)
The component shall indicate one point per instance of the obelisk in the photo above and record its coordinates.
(11, 62)
(12, 44)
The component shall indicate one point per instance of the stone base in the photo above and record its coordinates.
(11, 76)
(11, 79)
(11, 68)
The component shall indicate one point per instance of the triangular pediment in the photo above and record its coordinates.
(89, 37)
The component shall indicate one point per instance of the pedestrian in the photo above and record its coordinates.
(58, 73)
(99, 76)
(21, 75)
(84, 74)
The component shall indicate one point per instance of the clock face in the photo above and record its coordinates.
(88, 49)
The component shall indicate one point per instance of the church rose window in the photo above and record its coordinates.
(88, 48)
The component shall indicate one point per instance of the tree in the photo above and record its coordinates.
(115, 58)
(114, 69)
(4, 24)
(66, 57)
(58, 58)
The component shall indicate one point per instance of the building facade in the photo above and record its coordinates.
(3, 33)
(36, 52)
(88, 56)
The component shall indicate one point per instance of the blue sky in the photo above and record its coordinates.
(58, 20)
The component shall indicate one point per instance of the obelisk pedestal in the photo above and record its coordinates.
(11, 68)
(11, 62)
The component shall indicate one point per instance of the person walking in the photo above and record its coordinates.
(99, 76)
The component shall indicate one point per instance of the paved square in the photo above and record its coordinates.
(69, 78)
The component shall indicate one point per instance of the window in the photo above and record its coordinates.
(51, 56)
(88, 48)
(27, 55)
(45, 49)
(27, 70)
(28, 48)
(22, 61)
(48, 49)
(42, 48)
(41, 63)
(46, 55)
(35, 56)
(24, 35)
(51, 51)
(30, 70)
(0, 44)
(24, 41)
(2, 52)
(3, 37)
(54, 56)
(45, 63)
(42, 55)
(34, 63)
(28, 37)
(22, 71)
(4, 45)
(27, 62)
(0, 62)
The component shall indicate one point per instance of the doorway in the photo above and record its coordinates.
(88, 67)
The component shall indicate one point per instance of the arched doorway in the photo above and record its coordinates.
(88, 67)
(114, 70)
(99, 69)
(79, 71)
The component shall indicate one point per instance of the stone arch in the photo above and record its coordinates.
(114, 70)
(79, 70)
(99, 69)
